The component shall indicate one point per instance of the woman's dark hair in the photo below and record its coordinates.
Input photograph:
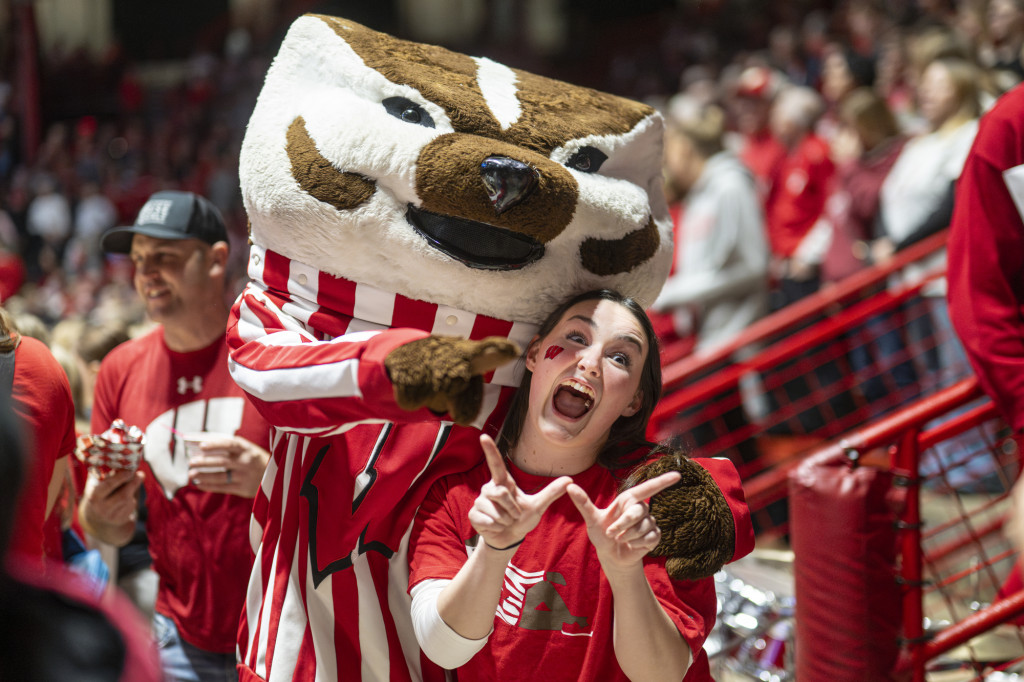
(627, 433)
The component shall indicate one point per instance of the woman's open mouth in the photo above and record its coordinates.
(573, 399)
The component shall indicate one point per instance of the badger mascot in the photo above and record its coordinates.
(414, 214)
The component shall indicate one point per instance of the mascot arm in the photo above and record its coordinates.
(315, 387)
(310, 386)
(704, 519)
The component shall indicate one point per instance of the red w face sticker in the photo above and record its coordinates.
(552, 352)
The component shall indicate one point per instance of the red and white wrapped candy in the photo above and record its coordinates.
(119, 448)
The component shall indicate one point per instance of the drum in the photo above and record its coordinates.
(753, 637)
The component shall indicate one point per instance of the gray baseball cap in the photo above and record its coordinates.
(170, 215)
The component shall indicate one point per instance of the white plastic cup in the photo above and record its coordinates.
(193, 440)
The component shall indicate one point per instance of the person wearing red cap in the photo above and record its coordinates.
(749, 109)
(567, 576)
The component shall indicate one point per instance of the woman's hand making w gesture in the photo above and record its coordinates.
(647, 644)
(503, 514)
(623, 532)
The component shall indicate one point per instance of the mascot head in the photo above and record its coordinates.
(452, 179)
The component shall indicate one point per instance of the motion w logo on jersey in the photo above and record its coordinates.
(530, 600)
(165, 447)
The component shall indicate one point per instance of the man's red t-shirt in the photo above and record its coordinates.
(199, 541)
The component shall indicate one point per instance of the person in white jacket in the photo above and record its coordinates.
(719, 283)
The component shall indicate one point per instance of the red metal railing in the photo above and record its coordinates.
(952, 556)
(793, 380)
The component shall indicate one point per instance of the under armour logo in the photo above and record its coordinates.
(184, 384)
(552, 352)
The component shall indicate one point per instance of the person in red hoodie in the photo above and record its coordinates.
(985, 261)
(798, 194)
(986, 256)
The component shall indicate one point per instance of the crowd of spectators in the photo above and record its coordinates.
(93, 172)
(817, 106)
(855, 127)
(790, 164)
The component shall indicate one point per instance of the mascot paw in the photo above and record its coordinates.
(445, 374)
(698, 533)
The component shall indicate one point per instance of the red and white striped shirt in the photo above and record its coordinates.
(327, 595)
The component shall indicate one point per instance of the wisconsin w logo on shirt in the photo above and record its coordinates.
(165, 449)
(531, 601)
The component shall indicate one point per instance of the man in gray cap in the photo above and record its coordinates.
(173, 384)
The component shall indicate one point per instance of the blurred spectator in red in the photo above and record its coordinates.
(130, 94)
(719, 283)
(87, 157)
(798, 193)
(865, 149)
(12, 267)
(54, 626)
(750, 109)
(12, 273)
(41, 398)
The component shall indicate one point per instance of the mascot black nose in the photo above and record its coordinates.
(507, 181)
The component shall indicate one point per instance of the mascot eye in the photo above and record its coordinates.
(408, 111)
(587, 160)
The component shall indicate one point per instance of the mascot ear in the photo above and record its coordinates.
(703, 518)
